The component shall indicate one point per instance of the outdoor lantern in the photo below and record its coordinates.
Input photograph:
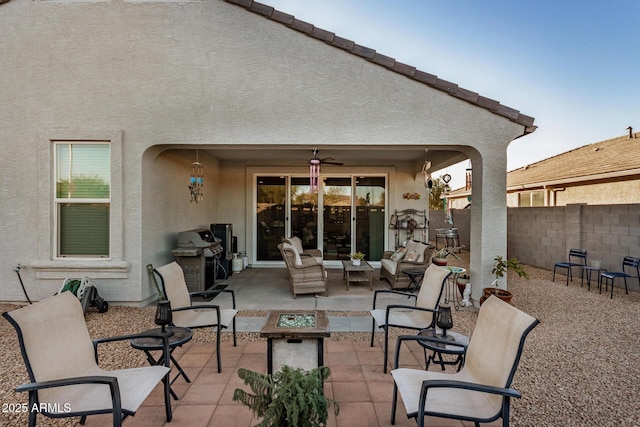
(196, 181)
(444, 321)
(163, 314)
(314, 171)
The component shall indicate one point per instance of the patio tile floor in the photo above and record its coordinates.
(357, 382)
(363, 392)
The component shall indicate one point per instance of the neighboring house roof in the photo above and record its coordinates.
(388, 62)
(613, 158)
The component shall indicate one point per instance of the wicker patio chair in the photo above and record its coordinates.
(481, 391)
(391, 270)
(196, 316)
(297, 244)
(306, 274)
(62, 364)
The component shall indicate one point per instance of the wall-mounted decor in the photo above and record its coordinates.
(196, 180)
(411, 196)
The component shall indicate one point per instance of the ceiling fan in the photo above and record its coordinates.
(326, 160)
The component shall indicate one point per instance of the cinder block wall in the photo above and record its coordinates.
(461, 221)
(541, 236)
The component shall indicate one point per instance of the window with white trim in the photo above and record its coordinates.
(82, 198)
(531, 198)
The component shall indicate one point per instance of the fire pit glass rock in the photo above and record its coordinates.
(296, 321)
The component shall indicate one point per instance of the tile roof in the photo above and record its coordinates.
(616, 157)
(388, 62)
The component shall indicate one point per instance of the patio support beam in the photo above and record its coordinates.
(488, 216)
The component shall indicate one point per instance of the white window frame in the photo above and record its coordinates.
(48, 265)
(57, 201)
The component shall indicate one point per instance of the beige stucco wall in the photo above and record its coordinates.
(174, 76)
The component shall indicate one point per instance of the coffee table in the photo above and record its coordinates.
(357, 273)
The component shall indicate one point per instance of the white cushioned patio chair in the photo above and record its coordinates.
(419, 316)
(481, 391)
(62, 364)
(187, 315)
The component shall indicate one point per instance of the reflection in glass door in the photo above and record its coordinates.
(304, 212)
(370, 222)
(346, 215)
(270, 208)
(336, 214)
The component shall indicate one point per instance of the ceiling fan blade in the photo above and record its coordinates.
(331, 161)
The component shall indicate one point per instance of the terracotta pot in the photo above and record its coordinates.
(503, 294)
(439, 261)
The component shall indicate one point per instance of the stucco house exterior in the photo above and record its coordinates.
(602, 173)
(106, 105)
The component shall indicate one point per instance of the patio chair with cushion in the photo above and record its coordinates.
(415, 255)
(188, 315)
(577, 258)
(62, 364)
(297, 244)
(481, 391)
(306, 274)
(419, 316)
(630, 269)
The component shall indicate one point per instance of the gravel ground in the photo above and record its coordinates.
(580, 367)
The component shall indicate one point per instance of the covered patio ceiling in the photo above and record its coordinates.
(299, 155)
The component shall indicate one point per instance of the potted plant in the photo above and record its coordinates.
(356, 257)
(439, 257)
(500, 268)
(290, 397)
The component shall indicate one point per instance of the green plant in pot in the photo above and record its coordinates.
(439, 257)
(500, 268)
(289, 398)
(356, 257)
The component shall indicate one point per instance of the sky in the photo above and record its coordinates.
(573, 65)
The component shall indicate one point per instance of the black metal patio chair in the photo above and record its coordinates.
(577, 258)
(418, 316)
(62, 364)
(628, 265)
(481, 391)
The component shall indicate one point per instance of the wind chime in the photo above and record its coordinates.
(196, 181)
(314, 171)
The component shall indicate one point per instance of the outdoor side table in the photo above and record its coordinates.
(451, 290)
(587, 271)
(295, 338)
(415, 278)
(438, 346)
(180, 336)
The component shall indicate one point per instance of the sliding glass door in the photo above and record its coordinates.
(336, 209)
(271, 216)
(370, 221)
(345, 215)
(304, 212)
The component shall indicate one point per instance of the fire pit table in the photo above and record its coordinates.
(295, 338)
